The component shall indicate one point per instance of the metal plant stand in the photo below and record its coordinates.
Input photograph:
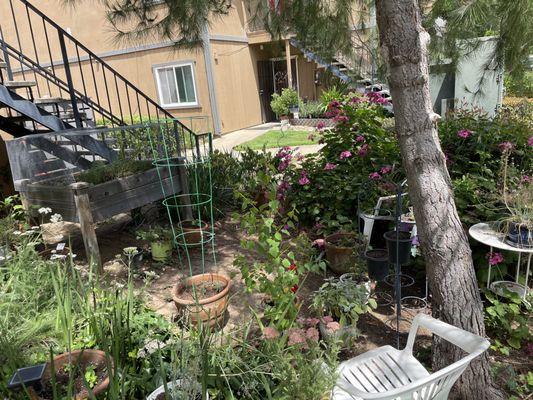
(398, 280)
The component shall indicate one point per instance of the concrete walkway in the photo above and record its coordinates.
(228, 141)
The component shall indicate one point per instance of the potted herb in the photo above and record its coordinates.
(342, 302)
(342, 251)
(204, 297)
(160, 242)
(398, 246)
(377, 262)
(180, 389)
(81, 372)
(192, 231)
(282, 103)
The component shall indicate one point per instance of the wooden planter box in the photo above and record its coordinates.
(106, 199)
(87, 204)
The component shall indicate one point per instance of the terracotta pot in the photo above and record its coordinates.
(85, 356)
(192, 233)
(341, 259)
(209, 310)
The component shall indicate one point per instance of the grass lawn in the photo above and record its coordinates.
(275, 138)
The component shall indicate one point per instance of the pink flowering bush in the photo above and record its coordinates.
(325, 185)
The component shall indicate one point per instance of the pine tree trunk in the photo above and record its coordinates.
(444, 243)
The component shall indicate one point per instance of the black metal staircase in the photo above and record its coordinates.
(61, 84)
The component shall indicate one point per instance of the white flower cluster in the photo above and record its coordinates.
(44, 210)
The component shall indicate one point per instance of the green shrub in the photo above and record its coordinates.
(281, 104)
(312, 109)
(100, 173)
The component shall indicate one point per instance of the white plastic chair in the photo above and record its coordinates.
(390, 374)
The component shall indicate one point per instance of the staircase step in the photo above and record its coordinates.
(51, 100)
(19, 84)
(54, 164)
(3, 64)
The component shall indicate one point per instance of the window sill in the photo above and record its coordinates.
(184, 107)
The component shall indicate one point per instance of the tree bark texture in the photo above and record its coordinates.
(444, 243)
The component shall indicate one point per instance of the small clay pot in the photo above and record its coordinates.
(341, 258)
(192, 234)
(209, 310)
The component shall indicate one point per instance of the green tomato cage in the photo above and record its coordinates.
(188, 199)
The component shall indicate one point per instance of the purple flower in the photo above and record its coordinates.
(270, 333)
(363, 150)
(505, 146)
(312, 334)
(345, 154)
(530, 141)
(329, 166)
(320, 125)
(340, 118)
(464, 133)
(494, 258)
(385, 169)
(311, 136)
(296, 336)
(320, 244)
(526, 179)
(374, 176)
(333, 326)
(360, 138)
(304, 180)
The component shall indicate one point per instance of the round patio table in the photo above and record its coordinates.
(488, 234)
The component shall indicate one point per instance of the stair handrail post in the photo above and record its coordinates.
(71, 90)
(6, 56)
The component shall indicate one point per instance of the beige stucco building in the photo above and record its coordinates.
(225, 79)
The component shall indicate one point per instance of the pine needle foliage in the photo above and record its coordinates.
(509, 22)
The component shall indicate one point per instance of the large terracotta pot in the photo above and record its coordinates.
(341, 258)
(207, 310)
(84, 356)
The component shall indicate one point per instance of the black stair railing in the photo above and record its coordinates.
(36, 48)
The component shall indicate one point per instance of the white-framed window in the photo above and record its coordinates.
(176, 86)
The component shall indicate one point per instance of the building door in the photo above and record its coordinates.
(266, 89)
(279, 74)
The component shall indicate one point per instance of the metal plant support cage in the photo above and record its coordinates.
(190, 213)
(397, 280)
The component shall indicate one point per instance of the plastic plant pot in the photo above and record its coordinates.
(377, 262)
(519, 236)
(161, 250)
(400, 244)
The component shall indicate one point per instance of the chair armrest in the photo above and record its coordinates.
(467, 341)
